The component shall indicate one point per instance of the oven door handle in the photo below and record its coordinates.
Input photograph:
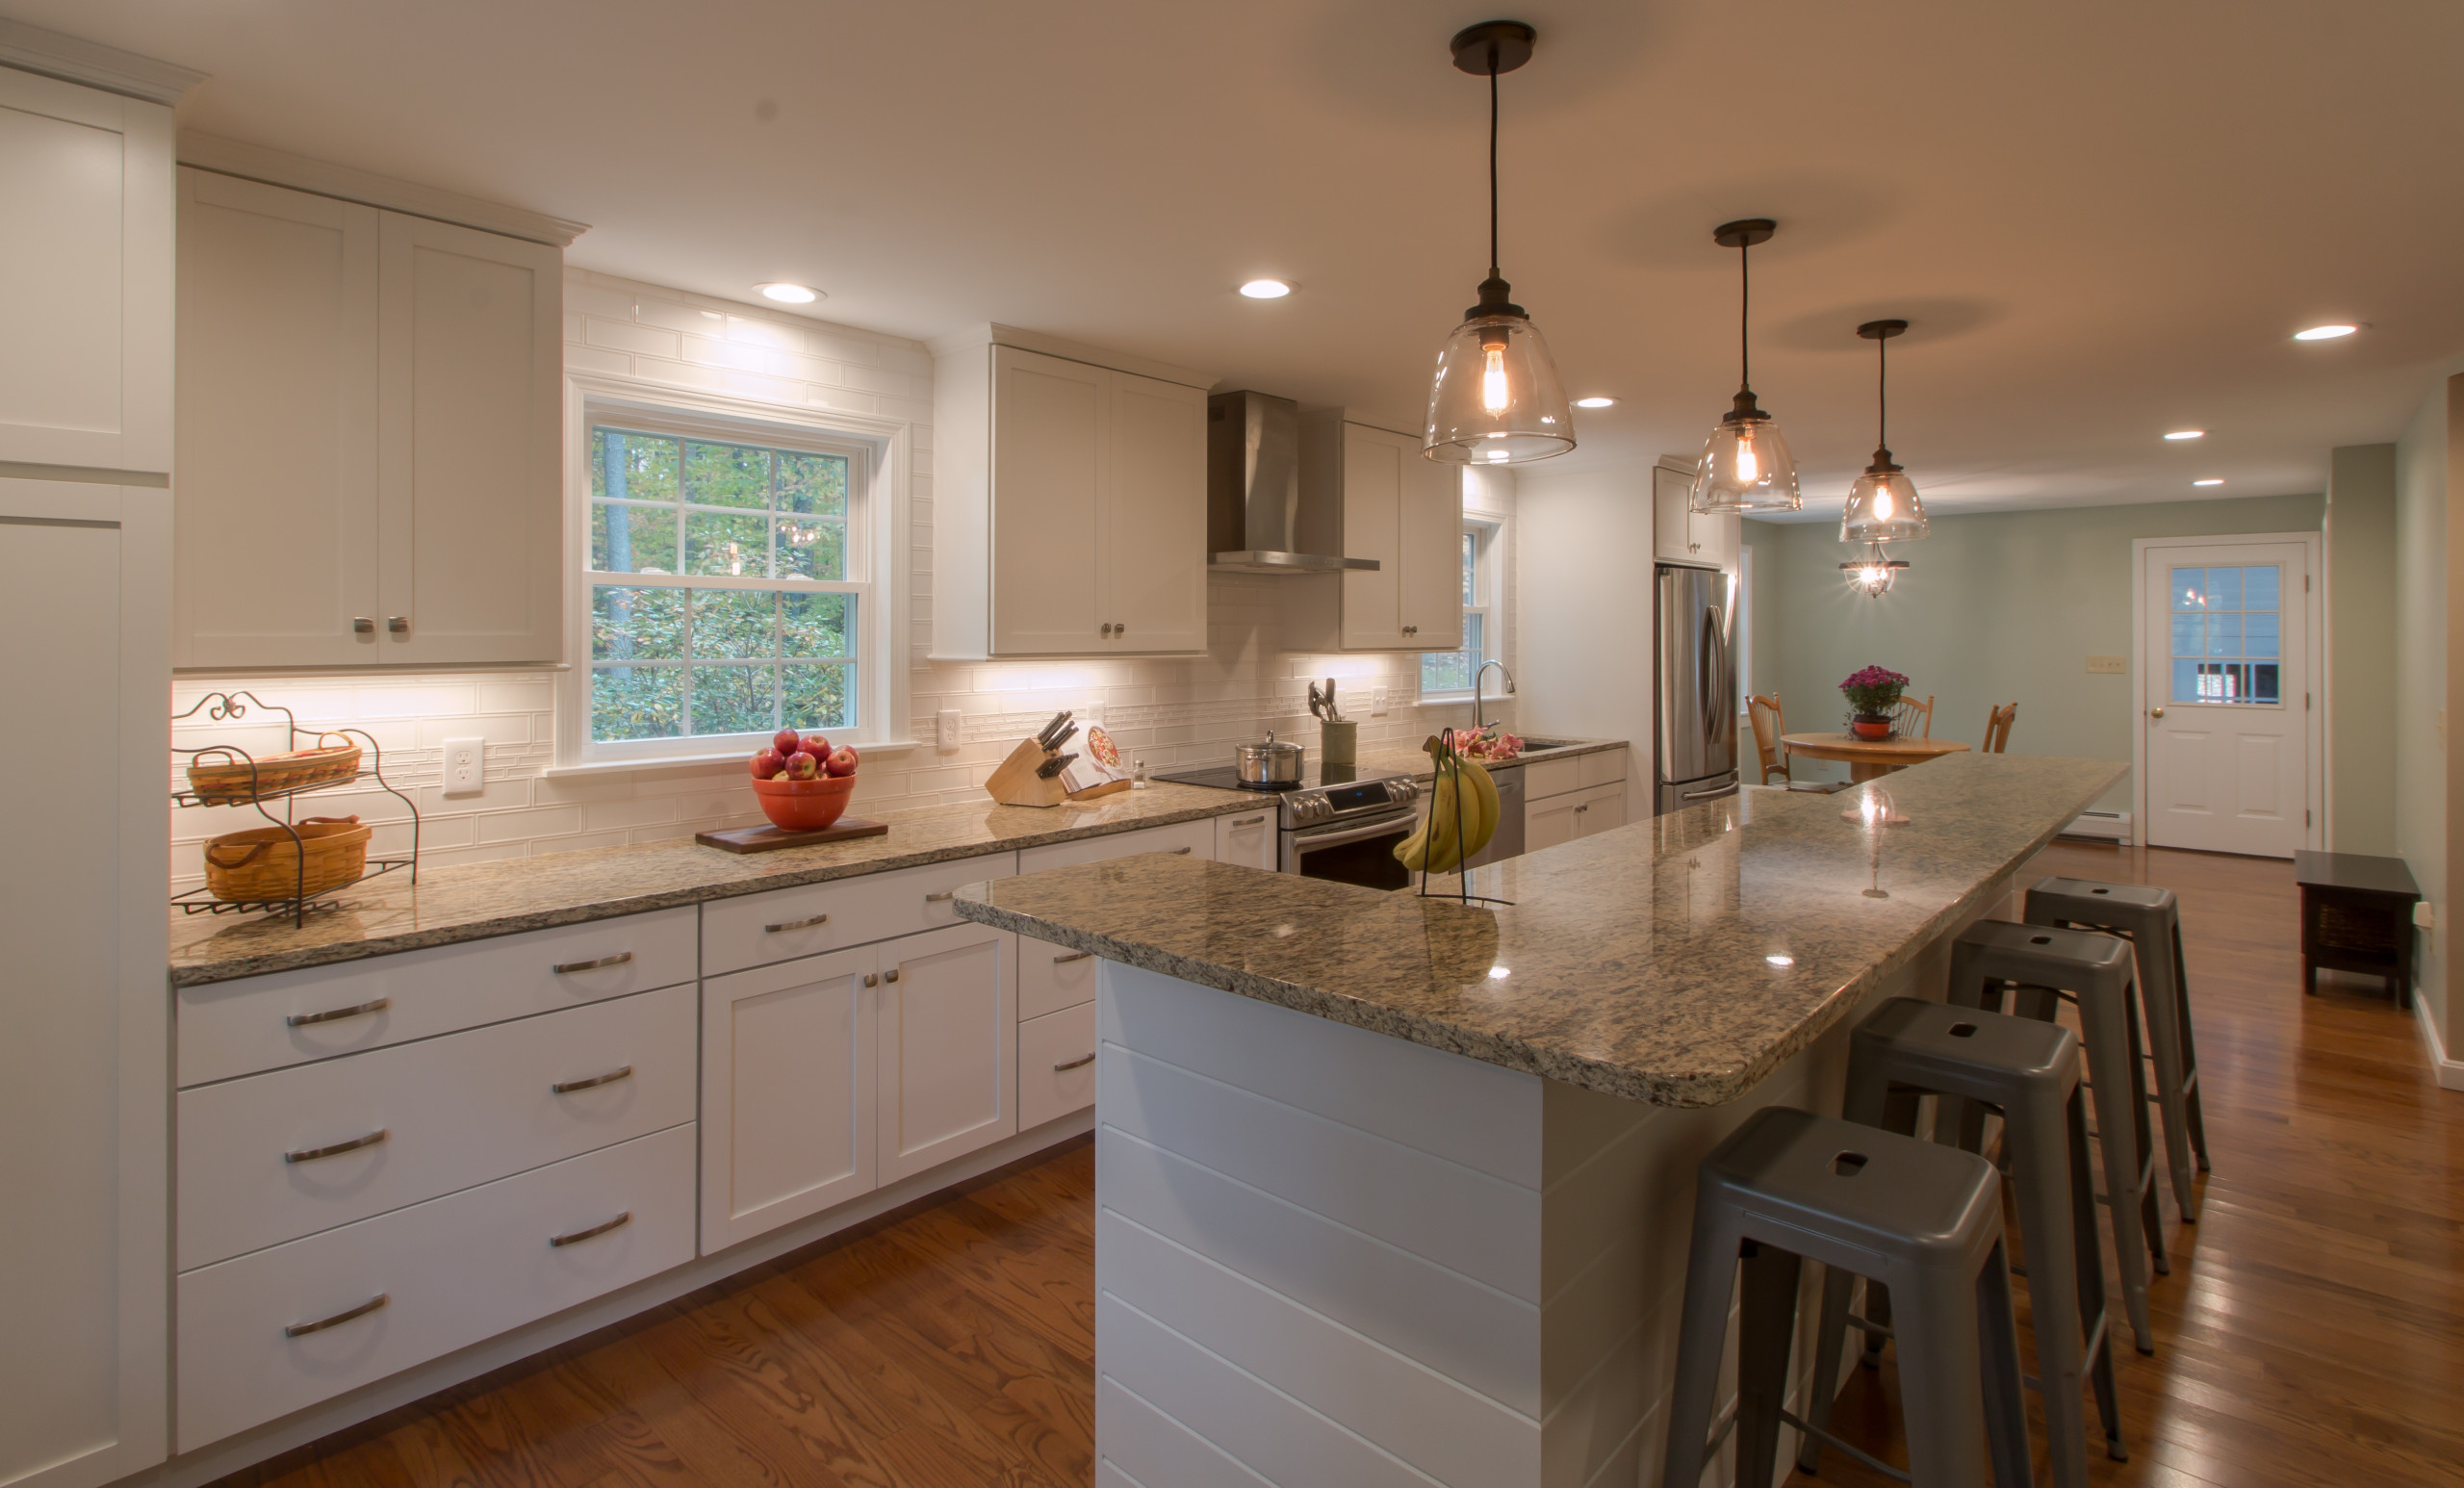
(1384, 826)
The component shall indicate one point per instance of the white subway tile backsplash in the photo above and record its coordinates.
(641, 339)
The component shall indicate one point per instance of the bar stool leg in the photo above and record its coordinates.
(1938, 1329)
(2111, 1050)
(2151, 1212)
(2005, 1403)
(1703, 1330)
(1766, 1326)
(1870, 1101)
(2095, 1321)
(2190, 1051)
(2160, 990)
(2040, 1183)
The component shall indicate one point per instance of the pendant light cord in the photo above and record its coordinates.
(1744, 317)
(1493, 160)
(1882, 391)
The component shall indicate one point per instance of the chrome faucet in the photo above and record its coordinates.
(1479, 706)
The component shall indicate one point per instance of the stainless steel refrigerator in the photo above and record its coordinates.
(1694, 689)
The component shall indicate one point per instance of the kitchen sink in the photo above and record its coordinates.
(1532, 746)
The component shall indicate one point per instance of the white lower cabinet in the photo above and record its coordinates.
(271, 1332)
(1189, 839)
(1053, 977)
(944, 1040)
(1599, 809)
(1247, 839)
(787, 923)
(1573, 796)
(1056, 1064)
(1548, 822)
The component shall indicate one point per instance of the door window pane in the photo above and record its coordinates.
(2226, 634)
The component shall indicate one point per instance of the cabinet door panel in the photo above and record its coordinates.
(1432, 551)
(1374, 528)
(948, 1035)
(1673, 525)
(1153, 546)
(1050, 421)
(1550, 822)
(276, 518)
(787, 1093)
(469, 545)
(1249, 840)
(1055, 1065)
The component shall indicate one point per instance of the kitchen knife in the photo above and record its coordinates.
(1062, 738)
(1053, 766)
(1043, 740)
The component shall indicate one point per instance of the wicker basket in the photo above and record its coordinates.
(230, 781)
(263, 863)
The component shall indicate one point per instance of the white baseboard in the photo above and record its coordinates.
(2105, 826)
(219, 1459)
(2450, 1073)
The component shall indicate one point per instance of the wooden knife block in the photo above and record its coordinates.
(1013, 782)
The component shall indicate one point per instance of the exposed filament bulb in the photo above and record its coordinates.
(1749, 469)
(1493, 389)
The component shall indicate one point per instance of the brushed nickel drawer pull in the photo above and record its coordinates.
(891, 975)
(1248, 821)
(617, 960)
(336, 1014)
(1181, 852)
(303, 1329)
(803, 924)
(1064, 960)
(1083, 1059)
(311, 1154)
(567, 1086)
(558, 1242)
(942, 897)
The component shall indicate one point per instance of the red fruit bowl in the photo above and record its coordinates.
(805, 805)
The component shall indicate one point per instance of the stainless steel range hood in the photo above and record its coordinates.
(1256, 519)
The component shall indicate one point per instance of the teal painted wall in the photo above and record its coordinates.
(2361, 626)
(2421, 499)
(1994, 608)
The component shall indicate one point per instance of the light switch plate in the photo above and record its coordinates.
(2424, 914)
(2115, 665)
(465, 766)
(1376, 701)
(945, 729)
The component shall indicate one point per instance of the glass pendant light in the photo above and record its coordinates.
(1873, 574)
(1746, 466)
(1497, 400)
(1881, 505)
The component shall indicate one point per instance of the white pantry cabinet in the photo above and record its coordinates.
(1677, 534)
(84, 280)
(1069, 502)
(369, 460)
(1399, 508)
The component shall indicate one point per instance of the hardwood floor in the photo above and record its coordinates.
(2312, 1332)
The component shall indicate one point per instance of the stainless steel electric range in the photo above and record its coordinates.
(1335, 823)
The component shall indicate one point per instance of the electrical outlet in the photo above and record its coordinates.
(1091, 713)
(2112, 665)
(1376, 701)
(465, 766)
(2425, 916)
(945, 729)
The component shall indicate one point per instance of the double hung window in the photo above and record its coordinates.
(1443, 671)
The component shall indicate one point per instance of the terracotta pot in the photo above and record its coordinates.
(805, 805)
(1870, 727)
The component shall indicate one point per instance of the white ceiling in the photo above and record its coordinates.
(2103, 220)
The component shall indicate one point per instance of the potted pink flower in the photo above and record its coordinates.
(1872, 692)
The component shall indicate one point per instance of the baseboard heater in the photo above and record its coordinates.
(2103, 826)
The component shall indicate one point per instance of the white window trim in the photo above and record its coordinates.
(1491, 582)
(886, 540)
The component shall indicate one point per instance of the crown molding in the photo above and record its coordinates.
(75, 60)
(995, 334)
(280, 167)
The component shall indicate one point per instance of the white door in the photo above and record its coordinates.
(1433, 547)
(948, 1046)
(1154, 515)
(1050, 418)
(787, 1093)
(2225, 650)
(1374, 528)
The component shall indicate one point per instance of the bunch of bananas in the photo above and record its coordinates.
(1462, 818)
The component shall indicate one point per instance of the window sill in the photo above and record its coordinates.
(734, 756)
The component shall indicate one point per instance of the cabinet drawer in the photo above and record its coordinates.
(1053, 977)
(1600, 768)
(456, 1111)
(1545, 778)
(1248, 838)
(760, 929)
(1047, 1091)
(1195, 839)
(239, 1027)
(452, 1271)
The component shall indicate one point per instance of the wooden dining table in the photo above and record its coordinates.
(1868, 759)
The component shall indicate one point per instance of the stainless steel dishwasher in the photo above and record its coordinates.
(1508, 841)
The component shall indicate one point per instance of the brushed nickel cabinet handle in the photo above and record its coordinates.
(577, 1237)
(311, 1154)
(567, 1086)
(891, 975)
(1108, 628)
(871, 980)
(1064, 960)
(803, 924)
(336, 1014)
(1180, 851)
(303, 1329)
(1248, 821)
(617, 960)
(399, 625)
(943, 897)
(363, 625)
(1083, 1059)
(1119, 628)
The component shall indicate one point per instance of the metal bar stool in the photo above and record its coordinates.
(2095, 971)
(2028, 1071)
(2151, 921)
(1923, 1220)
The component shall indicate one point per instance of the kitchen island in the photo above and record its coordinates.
(1393, 1189)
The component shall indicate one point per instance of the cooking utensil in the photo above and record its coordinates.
(1054, 767)
(1268, 763)
(1317, 703)
(1333, 713)
(1062, 738)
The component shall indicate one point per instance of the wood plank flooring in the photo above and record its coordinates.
(2312, 1332)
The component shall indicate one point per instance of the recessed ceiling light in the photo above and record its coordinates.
(1594, 402)
(2326, 333)
(2187, 434)
(2212, 480)
(788, 294)
(1266, 288)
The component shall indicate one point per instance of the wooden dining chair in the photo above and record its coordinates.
(1763, 707)
(1912, 716)
(1997, 727)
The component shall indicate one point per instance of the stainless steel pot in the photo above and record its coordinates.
(1268, 763)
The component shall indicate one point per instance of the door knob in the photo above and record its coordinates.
(2155, 713)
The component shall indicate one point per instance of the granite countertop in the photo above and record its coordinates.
(1678, 961)
(480, 900)
(1412, 759)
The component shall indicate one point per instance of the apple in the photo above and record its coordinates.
(785, 742)
(802, 766)
(768, 763)
(817, 746)
(842, 760)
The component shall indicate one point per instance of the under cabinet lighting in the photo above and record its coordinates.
(1594, 402)
(2187, 434)
(2326, 333)
(2212, 480)
(1264, 288)
(788, 294)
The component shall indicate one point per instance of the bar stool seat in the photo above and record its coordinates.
(2095, 971)
(2028, 1071)
(1923, 1220)
(2151, 920)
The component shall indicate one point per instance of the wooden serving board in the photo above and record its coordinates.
(767, 840)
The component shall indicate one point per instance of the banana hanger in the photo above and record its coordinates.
(1450, 789)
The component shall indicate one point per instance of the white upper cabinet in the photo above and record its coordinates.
(1069, 504)
(1677, 534)
(1399, 508)
(84, 276)
(368, 457)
